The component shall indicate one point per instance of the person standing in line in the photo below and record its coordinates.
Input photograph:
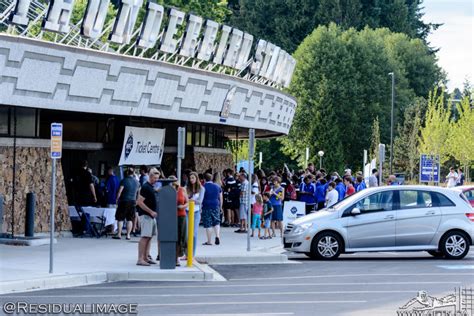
(349, 186)
(320, 194)
(127, 203)
(451, 178)
(195, 193)
(341, 189)
(332, 197)
(211, 209)
(277, 195)
(373, 179)
(85, 189)
(148, 211)
(182, 205)
(255, 189)
(267, 215)
(461, 178)
(143, 175)
(244, 203)
(257, 210)
(360, 183)
(111, 188)
(307, 192)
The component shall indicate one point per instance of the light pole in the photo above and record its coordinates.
(320, 154)
(391, 120)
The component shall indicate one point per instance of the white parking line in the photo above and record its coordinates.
(226, 285)
(218, 294)
(351, 276)
(458, 267)
(250, 303)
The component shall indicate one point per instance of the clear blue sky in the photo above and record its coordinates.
(454, 38)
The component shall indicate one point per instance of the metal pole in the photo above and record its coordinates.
(249, 217)
(51, 233)
(14, 172)
(189, 263)
(391, 121)
(306, 157)
(320, 162)
(380, 172)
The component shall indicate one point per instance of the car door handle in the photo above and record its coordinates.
(389, 217)
(430, 213)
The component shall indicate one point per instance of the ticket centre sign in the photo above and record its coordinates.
(203, 40)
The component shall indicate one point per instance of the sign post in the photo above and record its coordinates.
(181, 150)
(381, 160)
(429, 168)
(56, 153)
(251, 152)
(306, 158)
(260, 160)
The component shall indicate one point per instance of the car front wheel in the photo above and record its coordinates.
(326, 246)
(454, 245)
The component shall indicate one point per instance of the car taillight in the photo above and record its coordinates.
(470, 216)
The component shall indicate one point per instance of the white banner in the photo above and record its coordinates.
(292, 210)
(142, 146)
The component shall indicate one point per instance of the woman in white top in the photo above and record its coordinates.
(195, 193)
(255, 188)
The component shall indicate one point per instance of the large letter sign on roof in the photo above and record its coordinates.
(152, 26)
(209, 45)
(94, 18)
(125, 21)
(58, 17)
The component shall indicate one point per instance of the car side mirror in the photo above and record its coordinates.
(355, 211)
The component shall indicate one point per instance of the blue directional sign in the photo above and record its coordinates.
(56, 140)
(429, 168)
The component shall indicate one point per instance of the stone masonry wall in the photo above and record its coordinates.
(33, 174)
(216, 161)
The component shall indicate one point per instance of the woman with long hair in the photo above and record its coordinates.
(182, 205)
(195, 193)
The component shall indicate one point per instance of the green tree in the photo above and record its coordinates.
(461, 140)
(435, 133)
(342, 86)
(406, 155)
(375, 140)
(287, 23)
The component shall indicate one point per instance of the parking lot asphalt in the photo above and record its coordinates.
(358, 284)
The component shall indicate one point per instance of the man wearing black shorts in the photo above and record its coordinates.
(127, 203)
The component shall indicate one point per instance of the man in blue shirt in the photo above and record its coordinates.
(341, 189)
(320, 195)
(307, 191)
(111, 187)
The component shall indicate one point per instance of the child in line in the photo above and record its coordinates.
(257, 214)
(267, 214)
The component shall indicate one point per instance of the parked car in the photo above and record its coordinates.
(468, 191)
(391, 218)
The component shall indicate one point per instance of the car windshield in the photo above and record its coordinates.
(347, 201)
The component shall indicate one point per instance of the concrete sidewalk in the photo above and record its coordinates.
(233, 249)
(82, 261)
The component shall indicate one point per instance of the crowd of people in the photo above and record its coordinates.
(223, 199)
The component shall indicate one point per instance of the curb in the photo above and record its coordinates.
(52, 282)
(205, 273)
(262, 258)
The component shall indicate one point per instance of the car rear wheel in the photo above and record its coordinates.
(454, 245)
(436, 254)
(326, 246)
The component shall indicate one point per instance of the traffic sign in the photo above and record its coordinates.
(56, 140)
(429, 168)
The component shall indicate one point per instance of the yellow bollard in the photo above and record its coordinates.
(190, 234)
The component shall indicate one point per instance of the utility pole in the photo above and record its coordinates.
(391, 121)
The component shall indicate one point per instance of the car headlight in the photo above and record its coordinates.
(302, 228)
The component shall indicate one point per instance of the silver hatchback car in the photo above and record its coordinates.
(391, 218)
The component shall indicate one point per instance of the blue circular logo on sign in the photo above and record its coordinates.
(128, 145)
(293, 210)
